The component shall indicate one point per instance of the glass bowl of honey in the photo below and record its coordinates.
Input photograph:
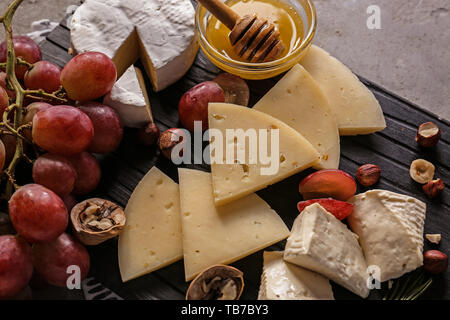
(295, 20)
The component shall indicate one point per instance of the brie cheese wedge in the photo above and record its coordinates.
(161, 33)
(390, 229)
(322, 243)
(129, 98)
(282, 280)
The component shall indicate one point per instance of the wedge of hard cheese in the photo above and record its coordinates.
(282, 280)
(298, 101)
(236, 178)
(152, 236)
(390, 230)
(129, 98)
(356, 109)
(322, 243)
(221, 235)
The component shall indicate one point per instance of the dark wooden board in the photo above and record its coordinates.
(393, 150)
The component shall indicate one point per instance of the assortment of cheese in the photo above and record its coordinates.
(213, 218)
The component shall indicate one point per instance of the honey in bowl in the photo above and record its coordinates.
(285, 18)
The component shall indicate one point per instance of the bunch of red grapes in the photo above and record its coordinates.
(66, 137)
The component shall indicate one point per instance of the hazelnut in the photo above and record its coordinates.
(433, 188)
(435, 261)
(368, 174)
(428, 134)
(421, 171)
(219, 282)
(148, 135)
(169, 139)
(433, 238)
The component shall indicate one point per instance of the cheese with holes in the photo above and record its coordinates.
(356, 109)
(298, 101)
(152, 236)
(282, 280)
(321, 243)
(160, 32)
(222, 235)
(129, 98)
(235, 178)
(390, 229)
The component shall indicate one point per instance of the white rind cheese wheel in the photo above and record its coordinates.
(160, 32)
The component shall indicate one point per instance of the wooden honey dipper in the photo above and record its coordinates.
(253, 39)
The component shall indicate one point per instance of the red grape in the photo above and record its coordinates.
(88, 173)
(31, 110)
(193, 104)
(55, 172)
(2, 155)
(62, 130)
(25, 48)
(108, 129)
(4, 102)
(88, 76)
(16, 265)
(11, 94)
(43, 75)
(9, 141)
(52, 260)
(37, 213)
(70, 201)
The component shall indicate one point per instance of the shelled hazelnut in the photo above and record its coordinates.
(169, 139)
(433, 188)
(421, 171)
(368, 174)
(435, 261)
(428, 134)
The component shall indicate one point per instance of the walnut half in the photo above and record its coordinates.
(97, 220)
(219, 282)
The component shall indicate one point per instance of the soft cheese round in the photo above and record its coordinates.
(160, 32)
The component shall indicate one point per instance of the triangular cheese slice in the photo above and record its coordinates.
(390, 230)
(152, 236)
(129, 98)
(356, 109)
(160, 33)
(282, 280)
(299, 102)
(222, 235)
(322, 243)
(236, 178)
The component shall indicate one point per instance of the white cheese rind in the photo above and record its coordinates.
(152, 235)
(282, 280)
(322, 243)
(129, 100)
(390, 229)
(356, 109)
(161, 32)
(234, 180)
(222, 235)
(299, 102)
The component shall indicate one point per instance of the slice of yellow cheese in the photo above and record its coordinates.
(234, 179)
(298, 101)
(356, 109)
(152, 236)
(222, 235)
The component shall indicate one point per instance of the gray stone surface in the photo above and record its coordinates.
(409, 55)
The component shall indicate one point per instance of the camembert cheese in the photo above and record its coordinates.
(235, 179)
(152, 236)
(160, 32)
(390, 230)
(298, 101)
(322, 243)
(282, 280)
(356, 109)
(129, 98)
(222, 235)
